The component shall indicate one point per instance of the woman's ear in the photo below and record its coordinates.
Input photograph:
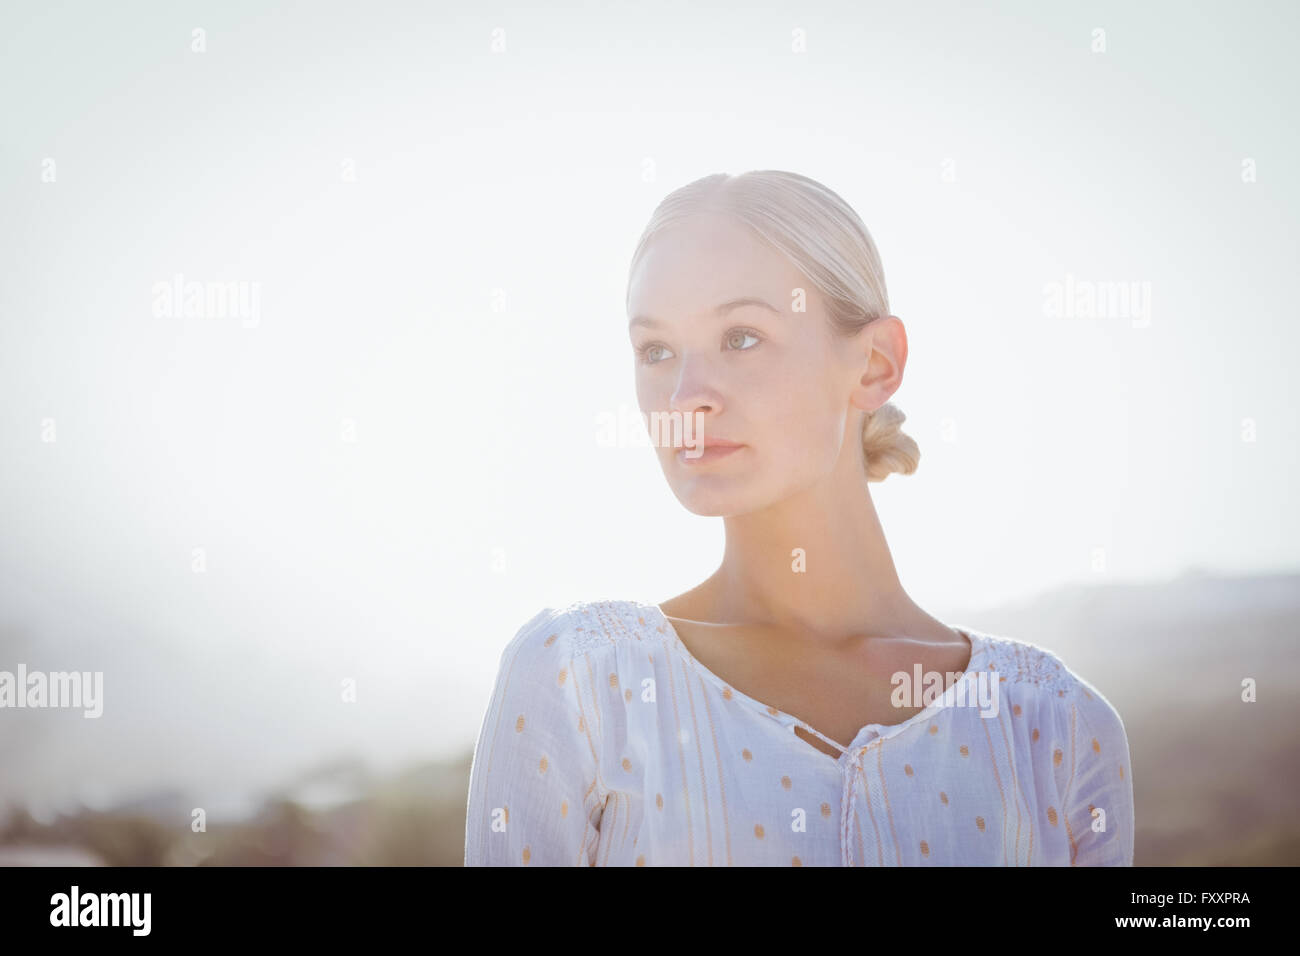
(880, 353)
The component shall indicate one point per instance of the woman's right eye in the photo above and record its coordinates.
(647, 351)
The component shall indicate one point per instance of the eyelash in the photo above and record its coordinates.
(641, 352)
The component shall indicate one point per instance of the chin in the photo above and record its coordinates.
(715, 505)
(707, 512)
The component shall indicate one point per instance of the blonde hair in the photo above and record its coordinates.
(822, 235)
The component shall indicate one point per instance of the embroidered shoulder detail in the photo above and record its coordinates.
(594, 624)
(1024, 663)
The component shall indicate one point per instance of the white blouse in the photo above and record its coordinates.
(606, 743)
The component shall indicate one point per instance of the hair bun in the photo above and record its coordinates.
(886, 447)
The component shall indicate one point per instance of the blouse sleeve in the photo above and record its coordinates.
(1104, 783)
(535, 796)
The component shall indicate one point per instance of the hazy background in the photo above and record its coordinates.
(397, 461)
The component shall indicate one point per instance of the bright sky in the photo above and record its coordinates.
(439, 236)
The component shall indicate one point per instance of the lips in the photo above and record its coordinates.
(707, 451)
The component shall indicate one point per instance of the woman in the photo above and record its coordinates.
(797, 707)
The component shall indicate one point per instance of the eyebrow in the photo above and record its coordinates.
(718, 310)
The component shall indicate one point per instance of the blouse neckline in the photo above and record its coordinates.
(868, 733)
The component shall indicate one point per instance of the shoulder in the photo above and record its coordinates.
(541, 666)
(581, 627)
(541, 631)
(584, 626)
(1032, 669)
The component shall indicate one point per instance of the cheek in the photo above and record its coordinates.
(796, 437)
(648, 398)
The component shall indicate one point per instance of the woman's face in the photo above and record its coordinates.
(776, 381)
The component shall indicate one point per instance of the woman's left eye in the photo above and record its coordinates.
(741, 335)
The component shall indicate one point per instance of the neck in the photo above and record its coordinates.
(816, 561)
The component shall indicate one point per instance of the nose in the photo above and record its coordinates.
(693, 394)
(693, 405)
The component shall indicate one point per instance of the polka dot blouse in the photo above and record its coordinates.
(606, 743)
